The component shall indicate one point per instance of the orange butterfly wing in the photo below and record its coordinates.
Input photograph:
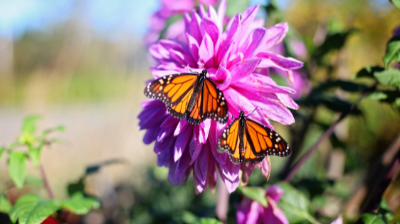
(210, 103)
(175, 91)
(264, 141)
(252, 143)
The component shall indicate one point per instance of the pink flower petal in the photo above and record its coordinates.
(273, 214)
(206, 51)
(254, 42)
(242, 70)
(276, 61)
(275, 192)
(265, 167)
(225, 75)
(193, 46)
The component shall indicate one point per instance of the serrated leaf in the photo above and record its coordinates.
(396, 3)
(208, 221)
(17, 168)
(390, 77)
(34, 155)
(5, 204)
(371, 219)
(392, 51)
(31, 209)
(80, 205)
(295, 205)
(255, 193)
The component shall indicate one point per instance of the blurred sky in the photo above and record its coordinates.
(104, 16)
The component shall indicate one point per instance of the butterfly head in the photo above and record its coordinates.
(203, 73)
(241, 114)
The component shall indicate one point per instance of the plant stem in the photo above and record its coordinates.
(221, 209)
(327, 133)
(46, 182)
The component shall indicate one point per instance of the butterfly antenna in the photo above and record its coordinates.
(252, 111)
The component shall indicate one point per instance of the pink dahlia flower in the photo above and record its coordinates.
(232, 58)
(252, 212)
(168, 9)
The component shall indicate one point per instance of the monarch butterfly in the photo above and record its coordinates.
(190, 95)
(246, 140)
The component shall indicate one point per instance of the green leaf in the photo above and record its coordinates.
(377, 96)
(385, 211)
(17, 168)
(295, 205)
(31, 209)
(5, 205)
(208, 221)
(254, 193)
(371, 219)
(396, 3)
(368, 71)
(76, 187)
(390, 77)
(80, 205)
(30, 124)
(392, 51)
(34, 155)
(332, 42)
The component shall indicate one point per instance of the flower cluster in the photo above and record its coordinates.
(233, 58)
(250, 212)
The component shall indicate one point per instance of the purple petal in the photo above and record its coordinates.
(273, 214)
(225, 75)
(233, 29)
(164, 132)
(195, 146)
(287, 101)
(229, 174)
(248, 169)
(183, 166)
(200, 168)
(277, 61)
(263, 84)
(247, 19)
(194, 28)
(285, 27)
(153, 119)
(206, 51)
(169, 121)
(215, 132)
(204, 129)
(265, 167)
(224, 52)
(202, 11)
(275, 35)
(181, 144)
(168, 144)
(150, 103)
(212, 14)
(174, 179)
(164, 158)
(275, 192)
(221, 12)
(181, 127)
(248, 212)
(254, 42)
(193, 46)
(151, 135)
(270, 106)
(176, 31)
(242, 70)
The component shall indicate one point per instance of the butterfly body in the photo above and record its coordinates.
(246, 140)
(190, 96)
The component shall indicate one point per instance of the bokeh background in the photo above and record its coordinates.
(83, 64)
